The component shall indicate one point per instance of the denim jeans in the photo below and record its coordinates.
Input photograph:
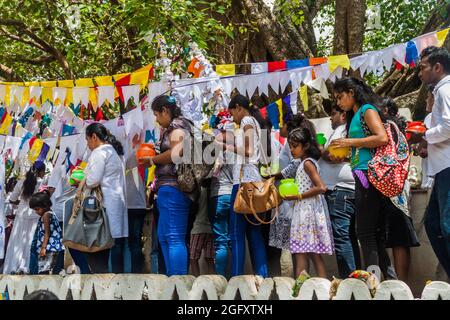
(219, 212)
(80, 260)
(437, 218)
(341, 205)
(135, 223)
(239, 228)
(174, 206)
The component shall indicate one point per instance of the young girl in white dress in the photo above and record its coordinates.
(311, 234)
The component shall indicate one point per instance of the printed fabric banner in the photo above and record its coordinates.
(2, 207)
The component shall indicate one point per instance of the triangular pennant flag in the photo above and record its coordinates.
(426, 40)
(294, 78)
(122, 79)
(93, 98)
(43, 153)
(304, 97)
(320, 85)
(104, 81)
(289, 113)
(273, 114)
(35, 150)
(274, 81)
(25, 96)
(105, 93)
(284, 80)
(81, 94)
(412, 54)
(2, 92)
(59, 95)
(157, 88)
(69, 96)
(35, 93)
(85, 82)
(195, 68)
(16, 94)
(294, 98)
(338, 61)
(47, 94)
(226, 85)
(226, 69)
(130, 91)
(251, 85)
(6, 124)
(259, 67)
(441, 36)
(263, 111)
(263, 84)
(140, 78)
(133, 120)
(279, 104)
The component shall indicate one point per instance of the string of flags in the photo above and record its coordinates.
(35, 117)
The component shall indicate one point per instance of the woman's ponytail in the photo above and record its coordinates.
(104, 135)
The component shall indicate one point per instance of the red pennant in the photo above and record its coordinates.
(398, 65)
(125, 81)
(32, 141)
(99, 115)
(263, 112)
(276, 65)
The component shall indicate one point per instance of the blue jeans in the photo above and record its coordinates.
(135, 223)
(219, 212)
(173, 207)
(341, 205)
(80, 260)
(239, 228)
(437, 218)
(156, 256)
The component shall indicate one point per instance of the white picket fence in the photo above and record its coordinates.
(207, 287)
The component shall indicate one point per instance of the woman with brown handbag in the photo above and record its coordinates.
(247, 148)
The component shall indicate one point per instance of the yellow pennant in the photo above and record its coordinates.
(104, 81)
(25, 96)
(93, 98)
(85, 82)
(69, 96)
(338, 61)
(65, 83)
(35, 150)
(226, 69)
(48, 84)
(151, 175)
(4, 128)
(441, 36)
(47, 94)
(140, 77)
(7, 94)
(304, 97)
(279, 103)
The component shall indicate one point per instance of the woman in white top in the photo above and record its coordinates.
(247, 147)
(17, 259)
(106, 169)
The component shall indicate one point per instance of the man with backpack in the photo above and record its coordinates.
(435, 70)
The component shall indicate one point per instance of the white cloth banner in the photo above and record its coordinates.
(131, 91)
(2, 92)
(260, 67)
(134, 121)
(105, 93)
(2, 207)
(17, 93)
(80, 94)
(425, 40)
(35, 92)
(59, 93)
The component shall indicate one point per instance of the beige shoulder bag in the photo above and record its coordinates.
(257, 197)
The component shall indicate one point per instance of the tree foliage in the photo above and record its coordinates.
(69, 38)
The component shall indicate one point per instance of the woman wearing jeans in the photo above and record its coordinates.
(247, 147)
(173, 204)
(358, 100)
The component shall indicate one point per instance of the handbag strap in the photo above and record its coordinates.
(261, 221)
(260, 148)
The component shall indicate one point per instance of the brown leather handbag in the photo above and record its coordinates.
(257, 197)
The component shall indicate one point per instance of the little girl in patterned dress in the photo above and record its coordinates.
(311, 234)
(47, 241)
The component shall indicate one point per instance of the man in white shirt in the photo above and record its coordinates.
(435, 70)
(340, 197)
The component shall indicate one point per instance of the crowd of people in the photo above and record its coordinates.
(338, 210)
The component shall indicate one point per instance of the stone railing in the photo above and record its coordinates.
(208, 287)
